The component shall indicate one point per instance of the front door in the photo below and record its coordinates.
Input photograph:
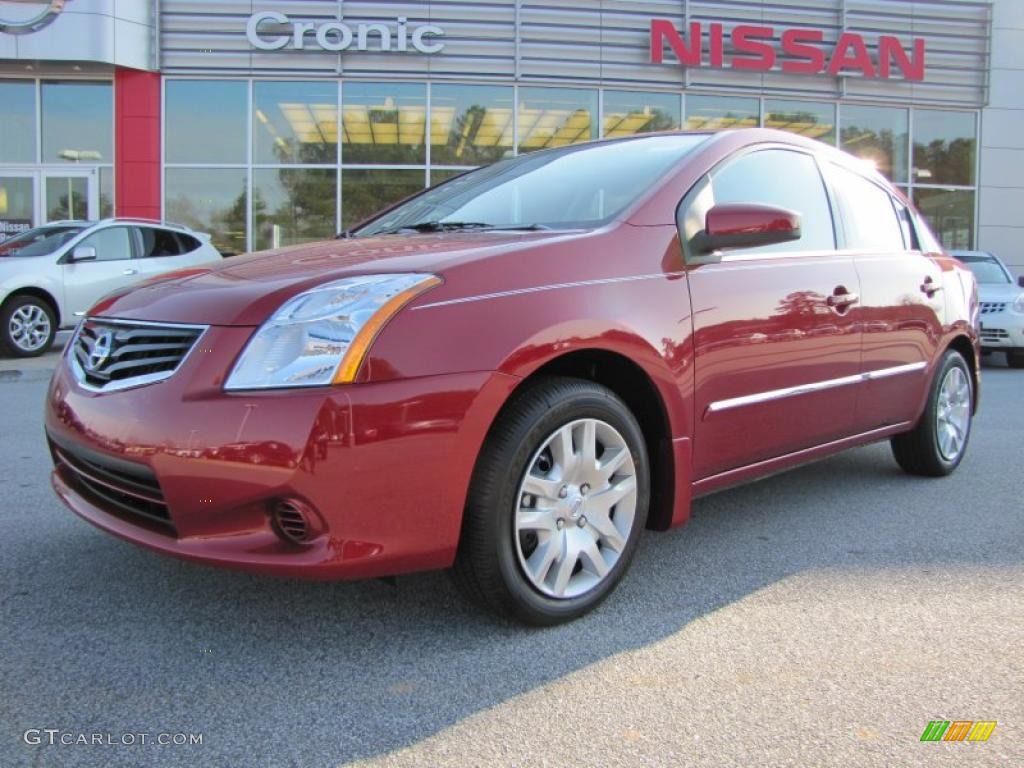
(776, 352)
(69, 194)
(30, 197)
(85, 282)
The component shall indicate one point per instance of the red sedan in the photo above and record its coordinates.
(517, 371)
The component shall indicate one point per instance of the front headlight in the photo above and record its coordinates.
(1018, 304)
(322, 335)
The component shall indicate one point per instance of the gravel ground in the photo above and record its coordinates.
(821, 617)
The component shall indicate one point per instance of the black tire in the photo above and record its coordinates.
(7, 340)
(1015, 358)
(918, 452)
(487, 565)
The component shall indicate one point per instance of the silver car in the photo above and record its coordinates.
(1002, 305)
(51, 274)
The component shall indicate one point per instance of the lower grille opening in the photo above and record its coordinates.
(128, 494)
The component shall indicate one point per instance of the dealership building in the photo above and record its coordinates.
(274, 122)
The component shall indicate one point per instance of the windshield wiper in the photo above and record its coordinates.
(453, 226)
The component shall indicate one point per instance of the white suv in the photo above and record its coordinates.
(51, 274)
(1002, 305)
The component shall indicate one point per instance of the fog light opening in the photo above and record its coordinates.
(294, 521)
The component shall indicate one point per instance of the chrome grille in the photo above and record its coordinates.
(116, 354)
(991, 307)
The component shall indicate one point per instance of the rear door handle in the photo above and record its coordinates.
(130, 272)
(930, 287)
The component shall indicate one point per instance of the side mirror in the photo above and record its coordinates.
(83, 253)
(747, 225)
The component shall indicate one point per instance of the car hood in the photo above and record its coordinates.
(1002, 292)
(245, 290)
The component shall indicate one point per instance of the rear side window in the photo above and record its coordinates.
(188, 243)
(869, 219)
(159, 242)
(777, 177)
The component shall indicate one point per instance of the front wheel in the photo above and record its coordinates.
(937, 444)
(557, 503)
(27, 326)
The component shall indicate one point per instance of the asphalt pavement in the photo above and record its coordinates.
(818, 618)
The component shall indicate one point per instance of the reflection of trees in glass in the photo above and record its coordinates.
(880, 147)
(225, 225)
(462, 147)
(306, 213)
(366, 192)
(944, 162)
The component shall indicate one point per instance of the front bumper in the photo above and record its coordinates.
(385, 466)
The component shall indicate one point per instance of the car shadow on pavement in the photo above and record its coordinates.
(284, 672)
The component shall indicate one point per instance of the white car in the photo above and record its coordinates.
(1002, 305)
(51, 274)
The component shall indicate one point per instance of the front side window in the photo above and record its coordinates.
(777, 177)
(869, 219)
(111, 244)
(567, 187)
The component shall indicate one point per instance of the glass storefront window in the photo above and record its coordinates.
(363, 193)
(808, 118)
(18, 125)
(106, 193)
(17, 204)
(209, 200)
(719, 113)
(630, 112)
(950, 212)
(295, 122)
(67, 197)
(78, 122)
(470, 124)
(554, 117)
(944, 146)
(876, 134)
(206, 121)
(293, 205)
(384, 123)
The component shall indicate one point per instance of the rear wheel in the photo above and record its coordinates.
(1015, 358)
(936, 445)
(27, 326)
(556, 505)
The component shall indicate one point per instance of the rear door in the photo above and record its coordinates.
(902, 305)
(777, 354)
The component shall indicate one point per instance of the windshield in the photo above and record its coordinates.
(570, 187)
(986, 271)
(38, 242)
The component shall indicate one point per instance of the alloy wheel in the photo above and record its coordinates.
(953, 413)
(29, 327)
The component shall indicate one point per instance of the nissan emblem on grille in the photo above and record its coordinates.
(100, 351)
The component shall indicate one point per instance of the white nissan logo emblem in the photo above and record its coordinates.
(43, 16)
(101, 350)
